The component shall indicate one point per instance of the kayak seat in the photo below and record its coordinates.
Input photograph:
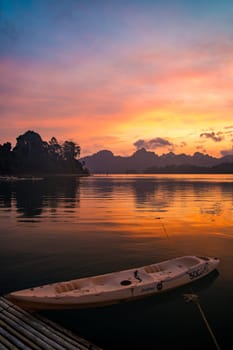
(152, 268)
(66, 287)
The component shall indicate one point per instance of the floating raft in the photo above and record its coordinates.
(22, 330)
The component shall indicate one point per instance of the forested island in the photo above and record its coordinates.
(33, 156)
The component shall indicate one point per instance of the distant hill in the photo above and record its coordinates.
(143, 161)
(224, 168)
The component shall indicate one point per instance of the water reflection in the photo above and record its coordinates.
(122, 202)
(66, 228)
(185, 203)
(5, 194)
(33, 197)
(162, 193)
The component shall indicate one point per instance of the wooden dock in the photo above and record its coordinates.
(22, 330)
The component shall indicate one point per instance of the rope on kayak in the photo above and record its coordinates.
(191, 297)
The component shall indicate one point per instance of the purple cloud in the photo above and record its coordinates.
(152, 144)
(217, 137)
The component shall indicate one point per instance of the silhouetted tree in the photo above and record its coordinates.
(33, 155)
(29, 152)
(54, 149)
(70, 150)
(28, 144)
(5, 158)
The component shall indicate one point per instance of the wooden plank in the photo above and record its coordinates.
(35, 325)
(51, 333)
(3, 347)
(30, 333)
(26, 331)
(15, 342)
(17, 338)
(5, 344)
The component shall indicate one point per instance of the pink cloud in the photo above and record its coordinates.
(91, 97)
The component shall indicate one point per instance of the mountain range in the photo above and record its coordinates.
(142, 161)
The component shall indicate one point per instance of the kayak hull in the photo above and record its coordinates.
(116, 287)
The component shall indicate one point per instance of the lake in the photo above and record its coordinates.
(62, 228)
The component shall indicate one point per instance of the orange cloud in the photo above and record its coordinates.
(167, 93)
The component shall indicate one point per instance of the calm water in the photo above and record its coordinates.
(64, 228)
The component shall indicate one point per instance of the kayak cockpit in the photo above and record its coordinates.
(173, 267)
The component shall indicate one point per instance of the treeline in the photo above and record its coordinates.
(32, 155)
(224, 168)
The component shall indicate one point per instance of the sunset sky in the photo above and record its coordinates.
(119, 74)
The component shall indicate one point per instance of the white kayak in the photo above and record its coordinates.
(115, 287)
